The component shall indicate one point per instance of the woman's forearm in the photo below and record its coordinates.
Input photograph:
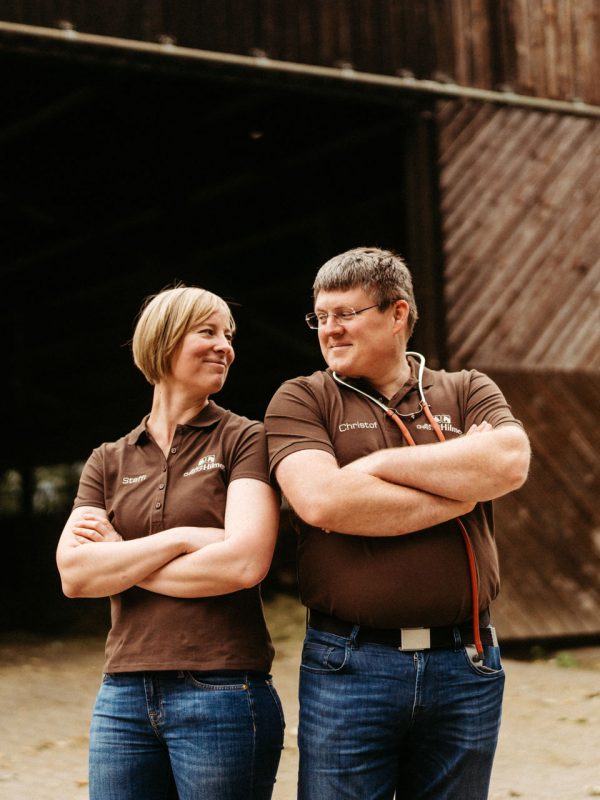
(214, 570)
(101, 568)
(241, 560)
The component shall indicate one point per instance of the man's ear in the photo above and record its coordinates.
(400, 314)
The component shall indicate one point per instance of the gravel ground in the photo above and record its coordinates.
(549, 746)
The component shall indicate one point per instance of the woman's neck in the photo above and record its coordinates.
(171, 408)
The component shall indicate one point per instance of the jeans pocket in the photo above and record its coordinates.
(324, 657)
(491, 664)
(277, 701)
(217, 682)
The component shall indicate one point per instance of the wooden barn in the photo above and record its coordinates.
(240, 144)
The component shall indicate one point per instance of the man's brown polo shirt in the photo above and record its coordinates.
(419, 579)
(143, 493)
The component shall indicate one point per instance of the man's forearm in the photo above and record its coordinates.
(372, 507)
(472, 468)
(357, 503)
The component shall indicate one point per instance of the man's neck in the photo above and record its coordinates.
(392, 382)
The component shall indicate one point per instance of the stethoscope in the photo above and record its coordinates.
(396, 415)
(398, 419)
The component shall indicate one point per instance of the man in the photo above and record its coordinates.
(401, 682)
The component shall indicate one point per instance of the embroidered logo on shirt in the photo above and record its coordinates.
(134, 478)
(443, 420)
(205, 463)
(350, 426)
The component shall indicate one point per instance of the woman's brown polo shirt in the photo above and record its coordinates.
(420, 579)
(143, 493)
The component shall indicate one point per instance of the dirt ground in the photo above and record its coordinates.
(549, 746)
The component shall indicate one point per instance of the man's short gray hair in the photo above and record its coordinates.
(382, 274)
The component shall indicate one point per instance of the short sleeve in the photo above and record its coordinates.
(249, 458)
(91, 483)
(294, 421)
(485, 402)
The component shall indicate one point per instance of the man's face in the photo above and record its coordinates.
(365, 346)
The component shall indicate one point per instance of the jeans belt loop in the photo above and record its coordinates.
(457, 638)
(354, 636)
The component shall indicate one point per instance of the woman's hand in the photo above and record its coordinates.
(197, 538)
(93, 528)
(108, 570)
(236, 558)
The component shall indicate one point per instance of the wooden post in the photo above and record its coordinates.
(424, 239)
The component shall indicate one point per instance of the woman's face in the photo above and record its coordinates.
(201, 362)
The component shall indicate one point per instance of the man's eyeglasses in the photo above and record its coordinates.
(318, 319)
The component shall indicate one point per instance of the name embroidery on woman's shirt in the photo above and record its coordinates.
(133, 478)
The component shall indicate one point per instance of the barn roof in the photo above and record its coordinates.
(528, 52)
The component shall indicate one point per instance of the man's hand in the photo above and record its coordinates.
(354, 501)
(484, 464)
(483, 427)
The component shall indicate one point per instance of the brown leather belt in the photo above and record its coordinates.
(452, 637)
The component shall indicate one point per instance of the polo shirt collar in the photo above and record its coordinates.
(138, 433)
(209, 416)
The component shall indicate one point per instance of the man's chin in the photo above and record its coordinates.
(342, 367)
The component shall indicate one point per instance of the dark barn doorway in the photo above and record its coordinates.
(119, 179)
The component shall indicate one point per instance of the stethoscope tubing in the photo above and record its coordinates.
(397, 418)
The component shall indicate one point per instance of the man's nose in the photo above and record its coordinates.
(331, 322)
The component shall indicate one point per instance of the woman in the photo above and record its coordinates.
(177, 522)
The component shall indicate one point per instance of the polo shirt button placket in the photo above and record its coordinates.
(159, 503)
(158, 514)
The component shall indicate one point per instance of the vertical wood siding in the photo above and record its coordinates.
(548, 48)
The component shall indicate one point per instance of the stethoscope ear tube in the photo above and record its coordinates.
(392, 414)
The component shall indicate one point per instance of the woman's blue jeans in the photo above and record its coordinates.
(376, 722)
(186, 735)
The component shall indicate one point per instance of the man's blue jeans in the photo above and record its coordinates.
(191, 735)
(375, 721)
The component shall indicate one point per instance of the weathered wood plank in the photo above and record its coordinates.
(521, 219)
(548, 48)
(546, 532)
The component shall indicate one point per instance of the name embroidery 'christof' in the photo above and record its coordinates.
(134, 478)
(205, 463)
(350, 426)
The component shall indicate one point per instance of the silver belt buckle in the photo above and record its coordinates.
(415, 639)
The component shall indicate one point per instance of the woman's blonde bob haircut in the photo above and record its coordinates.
(164, 320)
